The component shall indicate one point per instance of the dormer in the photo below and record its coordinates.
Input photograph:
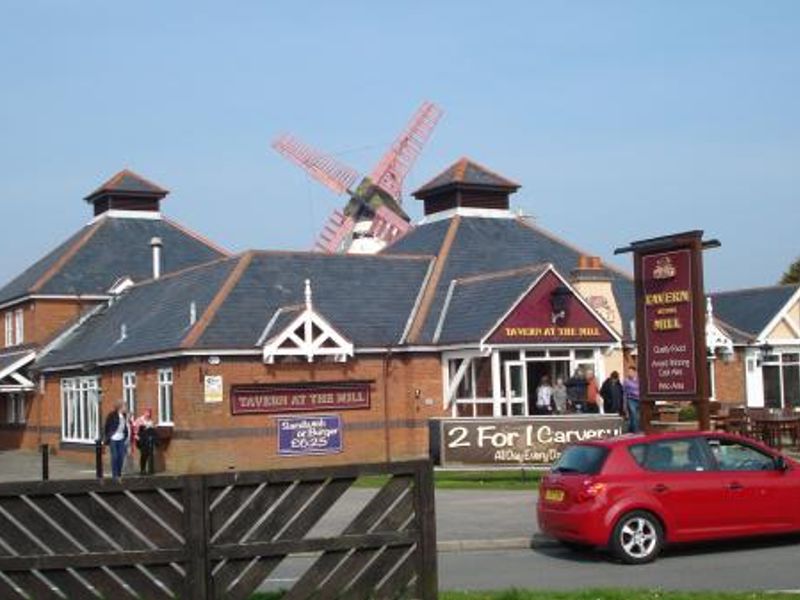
(466, 184)
(129, 192)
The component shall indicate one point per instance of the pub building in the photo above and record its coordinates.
(267, 358)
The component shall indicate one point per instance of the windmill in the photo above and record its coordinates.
(374, 216)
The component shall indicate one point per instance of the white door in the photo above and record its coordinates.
(516, 389)
(754, 381)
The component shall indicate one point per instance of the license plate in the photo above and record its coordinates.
(554, 495)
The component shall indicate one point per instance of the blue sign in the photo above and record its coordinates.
(299, 436)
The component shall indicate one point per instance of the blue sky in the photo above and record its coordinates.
(622, 120)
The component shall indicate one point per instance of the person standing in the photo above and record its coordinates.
(560, 396)
(544, 397)
(631, 389)
(576, 391)
(146, 441)
(592, 393)
(613, 395)
(117, 432)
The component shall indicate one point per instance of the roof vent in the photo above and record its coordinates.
(156, 244)
(123, 333)
(127, 191)
(192, 312)
(466, 184)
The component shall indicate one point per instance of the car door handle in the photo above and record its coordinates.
(660, 488)
(735, 486)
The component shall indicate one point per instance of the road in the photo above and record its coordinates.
(745, 566)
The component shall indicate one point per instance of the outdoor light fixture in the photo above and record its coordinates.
(559, 298)
(766, 350)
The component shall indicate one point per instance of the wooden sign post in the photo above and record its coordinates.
(670, 322)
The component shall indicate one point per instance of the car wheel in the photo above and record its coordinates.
(637, 538)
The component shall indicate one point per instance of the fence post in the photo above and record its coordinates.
(98, 458)
(45, 448)
(196, 532)
(428, 584)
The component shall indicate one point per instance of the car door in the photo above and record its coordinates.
(758, 496)
(679, 476)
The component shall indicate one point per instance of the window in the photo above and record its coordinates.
(19, 326)
(672, 455)
(781, 373)
(15, 408)
(80, 409)
(165, 396)
(581, 459)
(129, 391)
(734, 456)
(9, 329)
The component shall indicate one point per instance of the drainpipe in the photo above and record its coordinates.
(386, 434)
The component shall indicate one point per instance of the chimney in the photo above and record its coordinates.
(593, 281)
(156, 245)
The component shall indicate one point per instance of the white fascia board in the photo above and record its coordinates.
(418, 302)
(149, 215)
(463, 211)
(18, 364)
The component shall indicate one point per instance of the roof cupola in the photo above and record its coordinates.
(466, 184)
(129, 192)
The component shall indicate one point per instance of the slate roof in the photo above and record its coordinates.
(751, 310)
(128, 182)
(91, 260)
(487, 245)
(155, 315)
(467, 172)
(476, 304)
(9, 357)
(368, 299)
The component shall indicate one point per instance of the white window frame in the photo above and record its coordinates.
(166, 396)
(80, 409)
(9, 329)
(776, 360)
(19, 326)
(15, 408)
(129, 391)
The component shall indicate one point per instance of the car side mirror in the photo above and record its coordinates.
(781, 464)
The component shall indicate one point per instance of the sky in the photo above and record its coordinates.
(621, 120)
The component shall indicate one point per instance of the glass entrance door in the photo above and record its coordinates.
(516, 389)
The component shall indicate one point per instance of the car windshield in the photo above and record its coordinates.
(581, 459)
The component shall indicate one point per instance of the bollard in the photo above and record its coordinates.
(45, 448)
(98, 458)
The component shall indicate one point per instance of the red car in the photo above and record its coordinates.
(635, 493)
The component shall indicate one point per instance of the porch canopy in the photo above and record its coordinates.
(13, 377)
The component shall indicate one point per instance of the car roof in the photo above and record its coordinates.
(628, 439)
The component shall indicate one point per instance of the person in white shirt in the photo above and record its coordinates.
(544, 397)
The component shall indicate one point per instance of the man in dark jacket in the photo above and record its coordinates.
(576, 390)
(613, 395)
(117, 432)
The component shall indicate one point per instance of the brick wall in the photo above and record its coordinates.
(730, 379)
(406, 392)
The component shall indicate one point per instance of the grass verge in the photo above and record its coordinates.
(511, 479)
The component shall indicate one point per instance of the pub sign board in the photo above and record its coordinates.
(309, 435)
(668, 315)
(303, 397)
(523, 441)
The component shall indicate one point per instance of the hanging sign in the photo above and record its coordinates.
(317, 434)
(517, 441)
(304, 397)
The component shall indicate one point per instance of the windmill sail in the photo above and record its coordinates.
(322, 167)
(397, 162)
(335, 232)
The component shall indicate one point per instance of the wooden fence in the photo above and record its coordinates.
(218, 536)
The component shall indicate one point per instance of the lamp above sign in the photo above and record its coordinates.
(551, 312)
(304, 397)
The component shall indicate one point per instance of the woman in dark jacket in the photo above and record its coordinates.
(613, 395)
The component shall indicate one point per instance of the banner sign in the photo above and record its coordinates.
(550, 313)
(669, 333)
(305, 397)
(517, 441)
(301, 436)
